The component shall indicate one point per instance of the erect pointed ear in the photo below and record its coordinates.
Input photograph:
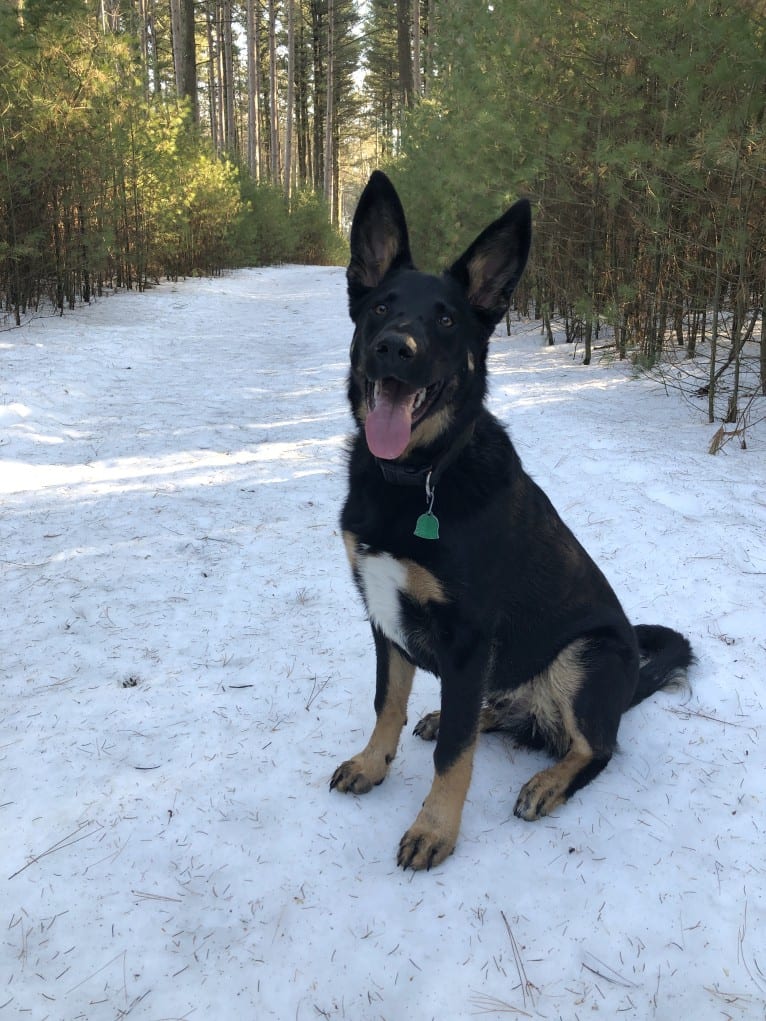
(492, 266)
(379, 240)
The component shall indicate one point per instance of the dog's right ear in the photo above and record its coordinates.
(379, 240)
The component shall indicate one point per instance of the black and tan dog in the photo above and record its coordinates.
(464, 566)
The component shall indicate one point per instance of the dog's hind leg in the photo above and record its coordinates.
(547, 789)
(394, 682)
(588, 699)
(551, 787)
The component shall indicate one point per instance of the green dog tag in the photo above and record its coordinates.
(427, 526)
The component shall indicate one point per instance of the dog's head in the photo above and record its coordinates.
(420, 341)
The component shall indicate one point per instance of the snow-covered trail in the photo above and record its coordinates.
(183, 662)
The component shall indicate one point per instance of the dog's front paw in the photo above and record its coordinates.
(358, 775)
(428, 727)
(423, 847)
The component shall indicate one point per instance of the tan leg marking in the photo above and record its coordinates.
(369, 768)
(433, 835)
(351, 542)
(551, 694)
(553, 708)
(548, 789)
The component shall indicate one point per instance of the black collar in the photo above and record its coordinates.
(404, 474)
(417, 475)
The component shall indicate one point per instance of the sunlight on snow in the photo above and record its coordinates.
(175, 471)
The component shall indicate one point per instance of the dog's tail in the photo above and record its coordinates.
(665, 657)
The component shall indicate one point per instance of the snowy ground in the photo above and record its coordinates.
(183, 663)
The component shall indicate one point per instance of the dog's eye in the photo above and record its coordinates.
(446, 321)
(380, 309)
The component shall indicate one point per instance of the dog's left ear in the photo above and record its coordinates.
(491, 267)
(379, 240)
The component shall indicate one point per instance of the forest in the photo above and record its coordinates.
(149, 138)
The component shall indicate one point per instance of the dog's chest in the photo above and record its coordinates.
(400, 595)
(383, 582)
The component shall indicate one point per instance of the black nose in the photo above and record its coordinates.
(392, 348)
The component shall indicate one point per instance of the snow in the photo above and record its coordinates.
(185, 662)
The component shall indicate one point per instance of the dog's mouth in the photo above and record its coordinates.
(394, 408)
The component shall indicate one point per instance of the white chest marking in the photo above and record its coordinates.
(383, 579)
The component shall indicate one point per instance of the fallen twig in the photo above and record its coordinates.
(608, 974)
(526, 985)
(492, 1005)
(71, 838)
(686, 714)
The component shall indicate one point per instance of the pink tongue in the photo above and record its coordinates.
(388, 426)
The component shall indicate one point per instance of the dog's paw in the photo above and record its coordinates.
(539, 796)
(357, 775)
(428, 727)
(422, 848)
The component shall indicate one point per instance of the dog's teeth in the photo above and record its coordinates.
(420, 396)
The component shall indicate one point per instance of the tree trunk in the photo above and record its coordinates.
(428, 56)
(302, 118)
(223, 128)
(189, 58)
(404, 51)
(274, 137)
(230, 125)
(329, 112)
(152, 34)
(143, 43)
(183, 38)
(417, 77)
(212, 77)
(714, 336)
(547, 326)
(176, 35)
(318, 42)
(290, 96)
(253, 93)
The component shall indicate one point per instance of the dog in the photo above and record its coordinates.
(464, 566)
